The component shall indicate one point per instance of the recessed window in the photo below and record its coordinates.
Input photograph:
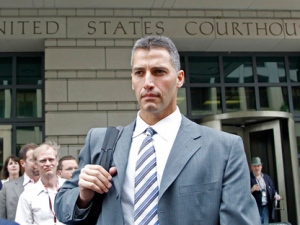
(238, 70)
(29, 103)
(5, 70)
(239, 99)
(21, 97)
(270, 69)
(273, 98)
(204, 69)
(29, 70)
(206, 101)
(294, 69)
(5, 103)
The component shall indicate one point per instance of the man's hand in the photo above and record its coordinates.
(93, 178)
(277, 197)
(255, 187)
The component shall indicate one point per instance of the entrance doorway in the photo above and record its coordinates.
(270, 136)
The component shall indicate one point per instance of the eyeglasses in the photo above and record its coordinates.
(43, 161)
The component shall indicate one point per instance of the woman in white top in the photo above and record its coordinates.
(11, 169)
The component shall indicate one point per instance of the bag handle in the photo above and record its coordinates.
(106, 155)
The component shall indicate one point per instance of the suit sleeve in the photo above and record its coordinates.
(3, 213)
(237, 204)
(65, 200)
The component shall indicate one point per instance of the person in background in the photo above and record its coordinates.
(263, 190)
(66, 166)
(197, 175)
(11, 191)
(0, 185)
(11, 169)
(36, 205)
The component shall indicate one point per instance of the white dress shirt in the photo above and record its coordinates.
(28, 182)
(4, 181)
(166, 131)
(34, 206)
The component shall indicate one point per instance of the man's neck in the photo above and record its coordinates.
(258, 175)
(34, 178)
(50, 182)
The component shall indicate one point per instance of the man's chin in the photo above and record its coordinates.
(150, 107)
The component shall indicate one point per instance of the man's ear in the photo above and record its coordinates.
(180, 78)
(22, 162)
(58, 172)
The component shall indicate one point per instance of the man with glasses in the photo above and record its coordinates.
(36, 206)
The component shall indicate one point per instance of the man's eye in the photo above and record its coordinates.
(159, 71)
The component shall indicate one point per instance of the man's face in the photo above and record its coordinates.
(46, 162)
(256, 169)
(155, 82)
(68, 167)
(29, 165)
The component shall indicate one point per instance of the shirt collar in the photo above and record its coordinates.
(27, 180)
(164, 127)
(41, 188)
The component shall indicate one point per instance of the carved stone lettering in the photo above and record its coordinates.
(28, 27)
(80, 27)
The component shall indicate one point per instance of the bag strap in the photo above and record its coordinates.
(111, 136)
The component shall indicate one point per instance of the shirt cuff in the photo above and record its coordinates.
(80, 214)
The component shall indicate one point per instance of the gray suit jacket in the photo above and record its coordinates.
(9, 196)
(205, 181)
(7, 222)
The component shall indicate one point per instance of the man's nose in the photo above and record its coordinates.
(148, 80)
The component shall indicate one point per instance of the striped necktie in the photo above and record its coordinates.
(146, 186)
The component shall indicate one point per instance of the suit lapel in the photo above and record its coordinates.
(186, 144)
(121, 155)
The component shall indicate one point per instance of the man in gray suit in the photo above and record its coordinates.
(11, 191)
(202, 173)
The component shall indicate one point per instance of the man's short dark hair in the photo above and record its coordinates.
(64, 158)
(24, 149)
(157, 42)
